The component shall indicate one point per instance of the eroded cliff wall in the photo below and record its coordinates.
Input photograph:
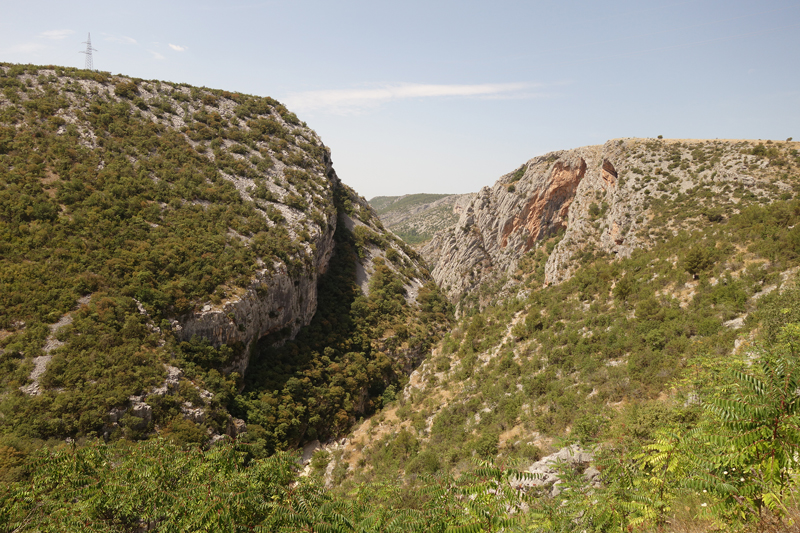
(600, 198)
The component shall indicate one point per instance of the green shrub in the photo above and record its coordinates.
(698, 259)
(487, 445)
(126, 89)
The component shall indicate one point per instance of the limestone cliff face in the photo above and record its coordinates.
(504, 222)
(280, 299)
(276, 299)
(601, 197)
(547, 209)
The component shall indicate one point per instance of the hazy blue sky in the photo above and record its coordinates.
(440, 96)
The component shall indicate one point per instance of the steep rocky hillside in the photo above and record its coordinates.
(627, 351)
(157, 237)
(415, 218)
(601, 289)
(612, 199)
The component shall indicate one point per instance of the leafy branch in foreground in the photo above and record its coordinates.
(491, 498)
(750, 461)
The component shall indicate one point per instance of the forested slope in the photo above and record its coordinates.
(158, 238)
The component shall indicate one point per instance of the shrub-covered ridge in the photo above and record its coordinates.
(147, 223)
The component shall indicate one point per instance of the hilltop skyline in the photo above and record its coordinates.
(446, 97)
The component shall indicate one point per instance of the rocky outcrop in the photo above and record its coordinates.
(137, 413)
(277, 299)
(546, 471)
(598, 197)
(504, 222)
(546, 211)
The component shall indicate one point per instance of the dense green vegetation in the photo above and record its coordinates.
(127, 205)
(734, 468)
(157, 486)
(338, 368)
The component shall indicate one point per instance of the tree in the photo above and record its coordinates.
(698, 259)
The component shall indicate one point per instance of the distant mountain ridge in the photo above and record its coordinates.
(415, 218)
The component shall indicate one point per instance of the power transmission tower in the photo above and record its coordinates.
(88, 52)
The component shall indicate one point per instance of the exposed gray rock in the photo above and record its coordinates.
(216, 439)
(39, 367)
(736, 323)
(170, 383)
(545, 470)
(138, 407)
(308, 451)
(141, 410)
(503, 222)
(51, 343)
(598, 196)
(236, 427)
(276, 299)
(195, 414)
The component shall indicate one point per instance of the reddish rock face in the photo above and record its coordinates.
(599, 195)
(554, 193)
(609, 174)
(546, 212)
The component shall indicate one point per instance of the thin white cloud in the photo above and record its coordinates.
(25, 48)
(57, 34)
(177, 48)
(355, 100)
(156, 55)
(122, 39)
(38, 45)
